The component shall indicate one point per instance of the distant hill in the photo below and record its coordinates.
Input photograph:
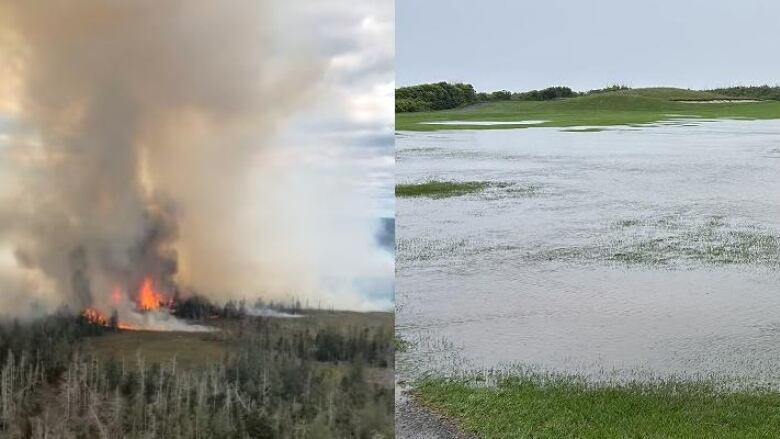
(611, 106)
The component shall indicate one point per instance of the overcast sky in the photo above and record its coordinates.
(518, 45)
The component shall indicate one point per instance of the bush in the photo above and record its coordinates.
(410, 106)
(501, 95)
(614, 87)
(438, 96)
(546, 94)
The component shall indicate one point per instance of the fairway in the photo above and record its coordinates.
(622, 107)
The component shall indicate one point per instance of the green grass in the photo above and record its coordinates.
(624, 107)
(440, 189)
(531, 408)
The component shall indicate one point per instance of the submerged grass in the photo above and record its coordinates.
(401, 345)
(425, 249)
(584, 130)
(624, 107)
(527, 407)
(440, 189)
(671, 242)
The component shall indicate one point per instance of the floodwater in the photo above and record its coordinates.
(630, 252)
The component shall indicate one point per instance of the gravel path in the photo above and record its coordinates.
(412, 421)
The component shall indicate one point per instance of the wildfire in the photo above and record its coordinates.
(148, 298)
(94, 316)
(128, 327)
(97, 318)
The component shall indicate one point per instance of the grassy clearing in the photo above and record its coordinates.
(531, 408)
(192, 350)
(199, 350)
(624, 107)
(440, 189)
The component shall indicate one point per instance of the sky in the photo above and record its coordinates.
(352, 116)
(521, 45)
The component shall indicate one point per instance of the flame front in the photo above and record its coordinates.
(94, 316)
(148, 298)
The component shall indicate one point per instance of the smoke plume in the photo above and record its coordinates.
(143, 144)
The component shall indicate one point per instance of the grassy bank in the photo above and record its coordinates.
(440, 189)
(530, 408)
(622, 107)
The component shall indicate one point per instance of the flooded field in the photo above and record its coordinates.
(630, 251)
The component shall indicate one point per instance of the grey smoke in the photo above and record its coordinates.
(143, 131)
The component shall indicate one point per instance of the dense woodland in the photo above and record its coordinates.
(280, 381)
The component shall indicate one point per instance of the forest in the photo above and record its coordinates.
(325, 375)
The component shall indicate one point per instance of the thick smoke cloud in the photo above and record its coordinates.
(145, 142)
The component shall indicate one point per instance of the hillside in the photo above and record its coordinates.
(621, 107)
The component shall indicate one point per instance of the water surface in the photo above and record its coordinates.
(631, 251)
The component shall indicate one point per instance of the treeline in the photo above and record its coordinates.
(443, 96)
(609, 88)
(759, 92)
(438, 96)
(279, 382)
(546, 94)
(197, 307)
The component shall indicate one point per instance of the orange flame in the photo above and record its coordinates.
(148, 298)
(94, 316)
(128, 327)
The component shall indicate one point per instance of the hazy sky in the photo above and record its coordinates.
(516, 45)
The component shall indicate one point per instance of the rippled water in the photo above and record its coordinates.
(651, 250)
